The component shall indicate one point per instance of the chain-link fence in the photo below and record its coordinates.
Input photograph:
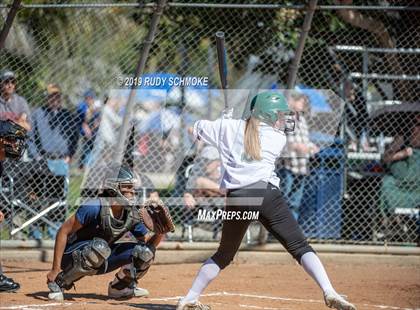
(351, 177)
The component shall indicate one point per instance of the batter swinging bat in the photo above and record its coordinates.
(222, 63)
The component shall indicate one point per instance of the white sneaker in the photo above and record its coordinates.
(196, 305)
(57, 296)
(140, 292)
(56, 292)
(336, 301)
(126, 292)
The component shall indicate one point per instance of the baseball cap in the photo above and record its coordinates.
(6, 74)
(90, 93)
(53, 89)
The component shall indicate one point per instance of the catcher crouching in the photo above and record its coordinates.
(86, 243)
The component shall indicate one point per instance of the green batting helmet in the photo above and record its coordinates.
(266, 105)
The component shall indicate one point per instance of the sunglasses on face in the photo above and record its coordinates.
(9, 81)
(54, 97)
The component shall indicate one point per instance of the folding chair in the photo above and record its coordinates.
(32, 192)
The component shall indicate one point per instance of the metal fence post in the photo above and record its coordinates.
(293, 69)
(119, 151)
(9, 21)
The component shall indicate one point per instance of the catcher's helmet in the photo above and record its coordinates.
(267, 105)
(116, 177)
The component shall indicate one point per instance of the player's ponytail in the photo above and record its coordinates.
(252, 142)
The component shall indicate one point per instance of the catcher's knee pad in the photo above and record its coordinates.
(86, 262)
(95, 253)
(143, 255)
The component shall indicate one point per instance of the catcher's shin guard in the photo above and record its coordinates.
(143, 255)
(127, 277)
(86, 262)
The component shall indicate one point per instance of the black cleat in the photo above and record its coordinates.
(7, 284)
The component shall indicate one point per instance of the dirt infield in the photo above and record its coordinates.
(370, 285)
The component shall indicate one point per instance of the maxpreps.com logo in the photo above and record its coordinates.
(211, 216)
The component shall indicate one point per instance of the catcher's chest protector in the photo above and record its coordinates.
(113, 228)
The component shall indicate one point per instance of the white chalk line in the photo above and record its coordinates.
(27, 307)
(176, 298)
(277, 298)
(258, 307)
(241, 295)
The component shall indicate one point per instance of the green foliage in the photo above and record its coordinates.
(80, 48)
(74, 191)
(76, 49)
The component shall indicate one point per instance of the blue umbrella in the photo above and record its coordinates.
(318, 102)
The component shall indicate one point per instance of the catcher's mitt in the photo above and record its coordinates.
(12, 138)
(156, 216)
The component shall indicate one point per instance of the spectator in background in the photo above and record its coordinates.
(293, 174)
(203, 185)
(13, 106)
(89, 123)
(401, 186)
(54, 136)
(357, 116)
(205, 175)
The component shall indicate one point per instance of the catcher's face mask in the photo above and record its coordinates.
(122, 192)
(12, 139)
(13, 149)
(127, 190)
(119, 185)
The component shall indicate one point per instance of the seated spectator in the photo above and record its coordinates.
(401, 186)
(203, 185)
(295, 170)
(89, 123)
(12, 106)
(54, 135)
